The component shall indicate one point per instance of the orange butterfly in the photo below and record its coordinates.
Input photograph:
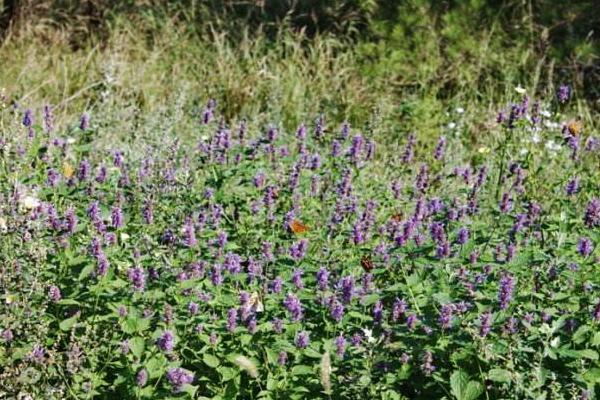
(575, 127)
(397, 217)
(68, 170)
(366, 263)
(298, 227)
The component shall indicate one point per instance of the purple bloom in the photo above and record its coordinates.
(277, 285)
(411, 321)
(439, 149)
(189, 232)
(28, 118)
(347, 286)
(297, 278)
(7, 335)
(37, 354)
(485, 326)
(282, 358)
(84, 121)
(322, 278)
(445, 318)
(137, 277)
(564, 93)
(336, 310)
(505, 291)
(585, 246)
(340, 345)
(166, 342)
(294, 307)
(592, 213)
(141, 378)
(52, 177)
(178, 377)
(409, 151)
(232, 316)
(298, 249)
(505, 203)
(356, 148)
(427, 366)
(356, 339)
(102, 264)
(83, 171)
(116, 217)
(54, 294)
(302, 339)
(398, 309)
(573, 186)
(71, 220)
(596, 312)
(378, 312)
(463, 235)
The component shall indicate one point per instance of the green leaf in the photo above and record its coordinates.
(458, 383)
(473, 391)
(86, 271)
(68, 323)
(499, 375)
(211, 360)
(302, 370)
(137, 346)
(463, 388)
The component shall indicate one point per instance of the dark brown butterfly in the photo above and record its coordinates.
(366, 263)
(298, 227)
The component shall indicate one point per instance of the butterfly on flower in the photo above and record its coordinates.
(256, 303)
(67, 170)
(366, 263)
(397, 217)
(298, 227)
(574, 127)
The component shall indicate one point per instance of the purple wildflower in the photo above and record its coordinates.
(166, 342)
(572, 187)
(336, 310)
(427, 366)
(340, 345)
(84, 121)
(584, 246)
(563, 93)
(505, 291)
(485, 326)
(282, 358)
(294, 307)
(178, 377)
(54, 294)
(440, 148)
(232, 316)
(141, 378)
(137, 277)
(322, 278)
(592, 213)
(302, 339)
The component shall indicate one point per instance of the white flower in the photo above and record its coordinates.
(29, 202)
(536, 138)
(368, 335)
(546, 113)
(552, 146)
(460, 110)
(451, 125)
(520, 90)
(70, 140)
(523, 151)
